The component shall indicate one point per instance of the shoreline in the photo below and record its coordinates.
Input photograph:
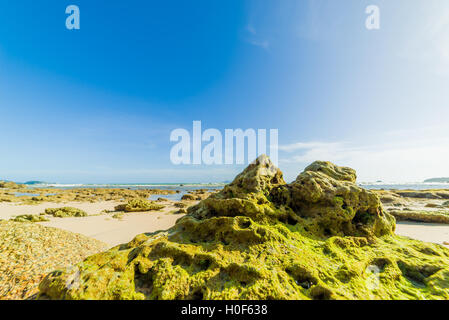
(101, 226)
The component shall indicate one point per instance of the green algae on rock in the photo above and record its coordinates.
(11, 185)
(139, 205)
(74, 195)
(118, 215)
(181, 205)
(421, 216)
(65, 212)
(29, 218)
(319, 237)
(189, 196)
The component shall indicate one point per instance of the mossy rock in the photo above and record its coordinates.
(11, 185)
(29, 218)
(139, 205)
(65, 212)
(189, 197)
(421, 216)
(118, 216)
(181, 205)
(320, 237)
(424, 194)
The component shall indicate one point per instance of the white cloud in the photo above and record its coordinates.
(250, 28)
(307, 145)
(265, 44)
(255, 39)
(400, 159)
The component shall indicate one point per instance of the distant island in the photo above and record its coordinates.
(438, 180)
(34, 182)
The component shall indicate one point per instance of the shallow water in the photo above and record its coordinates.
(404, 186)
(184, 188)
(173, 197)
(26, 194)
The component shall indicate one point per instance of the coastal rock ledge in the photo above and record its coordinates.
(319, 237)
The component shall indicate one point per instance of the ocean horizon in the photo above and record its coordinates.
(189, 185)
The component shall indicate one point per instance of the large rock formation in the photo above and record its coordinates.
(320, 237)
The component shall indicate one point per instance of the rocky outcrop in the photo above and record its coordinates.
(65, 212)
(319, 237)
(326, 201)
(29, 218)
(189, 197)
(426, 206)
(139, 205)
(11, 185)
(421, 216)
(390, 198)
(424, 194)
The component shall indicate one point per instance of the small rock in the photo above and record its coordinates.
(189, 197)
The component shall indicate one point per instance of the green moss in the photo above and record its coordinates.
(29, 218)
(118, 216)
(139, 205)
(180, 205)
(65, 212)
(189, 197)
(78, 195)
(421, 216)
(320, 237)
(11, 185)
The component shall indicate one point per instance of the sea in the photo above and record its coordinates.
(404, 186)
(186, 187)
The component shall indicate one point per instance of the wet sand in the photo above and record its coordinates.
(114, 231)
(428, 232)
(9, 210)
(99, 225)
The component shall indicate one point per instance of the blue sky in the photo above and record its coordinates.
(98, 104)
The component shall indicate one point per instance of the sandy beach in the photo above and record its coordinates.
(98, 224)
(9, 210)
(101, 226)
(117, 231)
(429, 232)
